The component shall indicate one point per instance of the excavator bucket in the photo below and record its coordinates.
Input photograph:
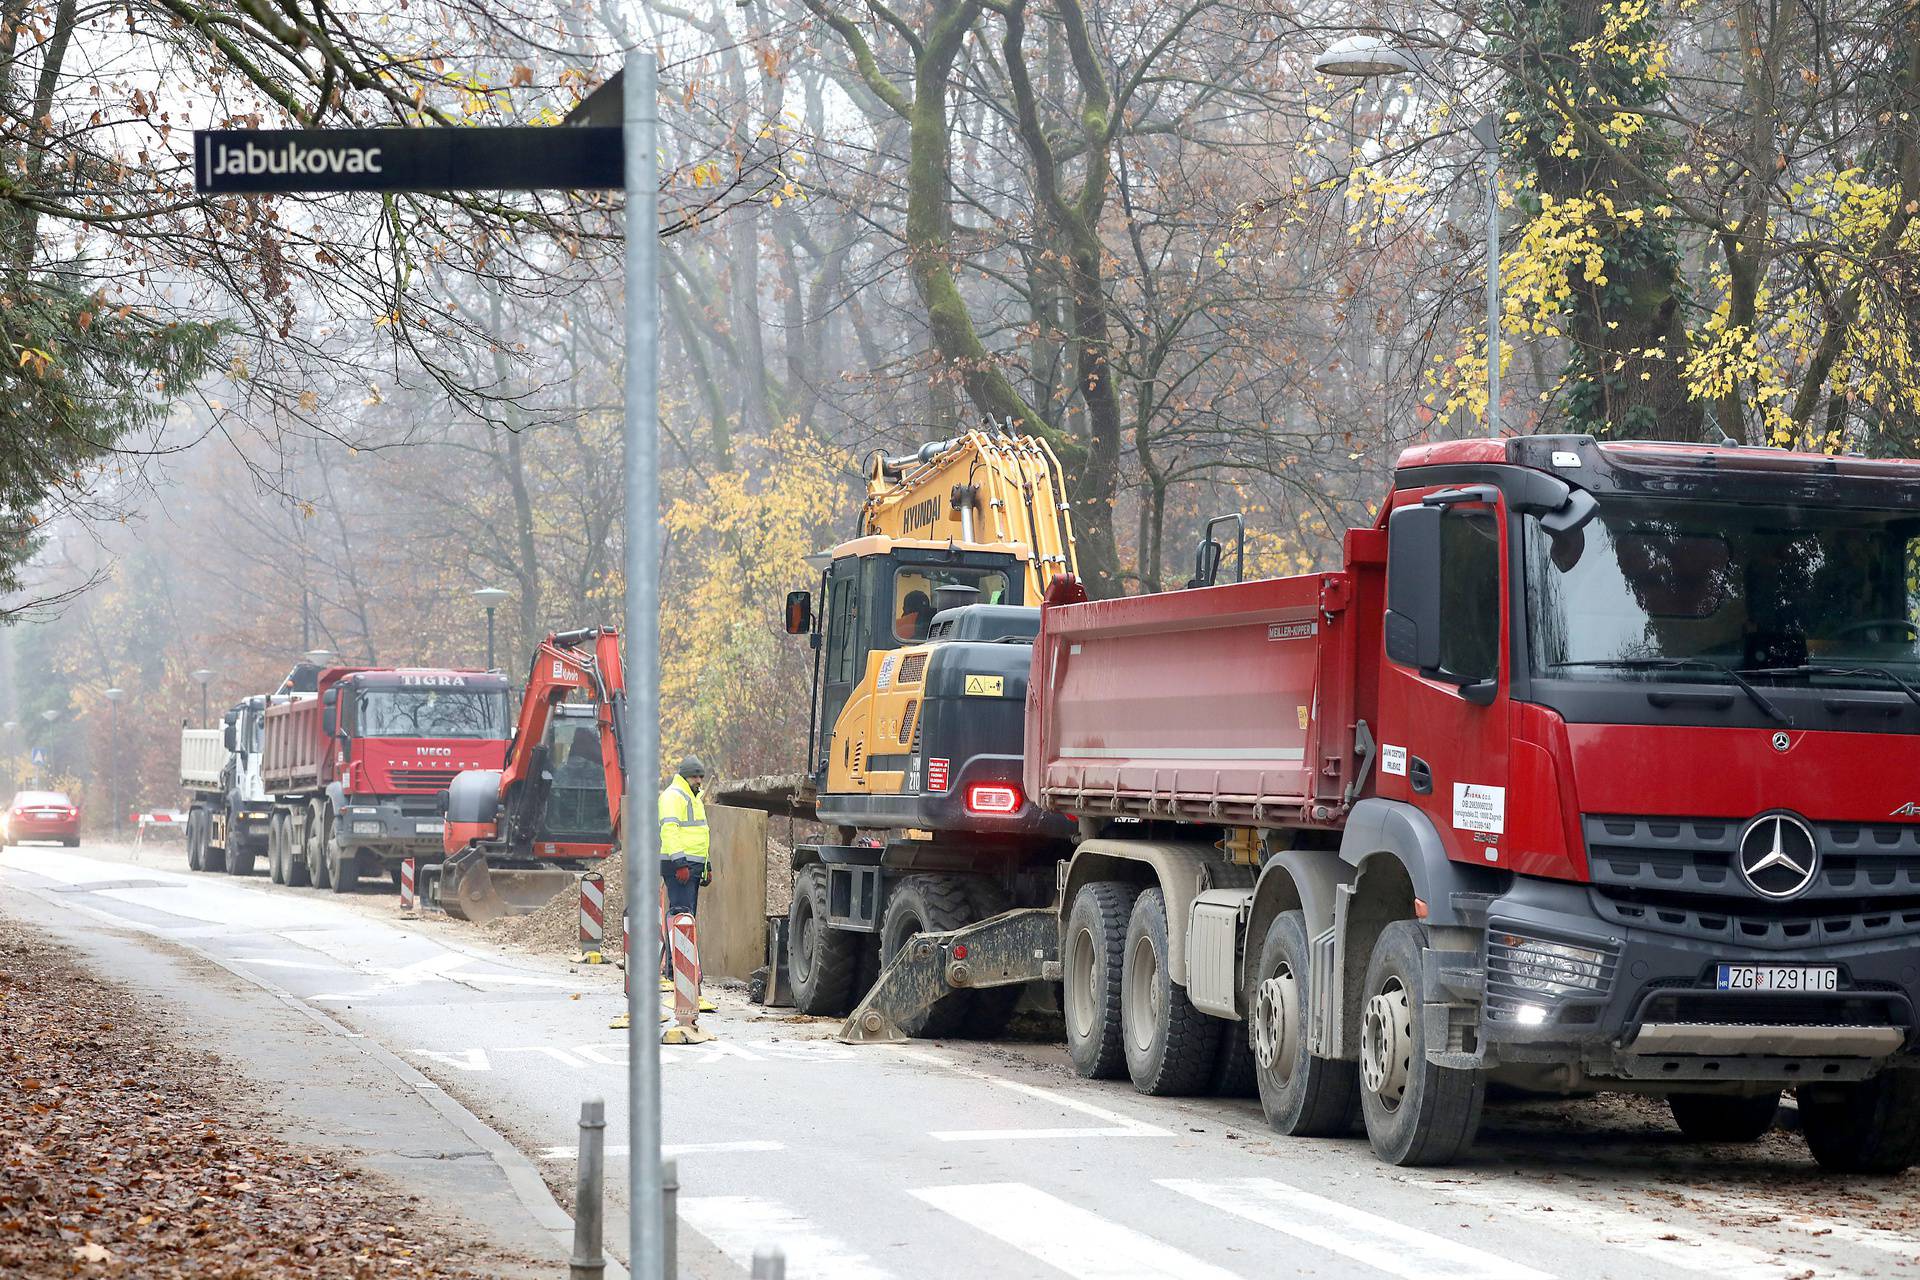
(470, 889)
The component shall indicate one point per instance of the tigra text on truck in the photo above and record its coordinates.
(1594, 767)
(921, 645)
(357, 770)
(229, 811)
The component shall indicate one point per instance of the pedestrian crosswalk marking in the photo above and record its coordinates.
(1357, 1234)
(738, 1225)
(1651, 1235)
(1084, 1245)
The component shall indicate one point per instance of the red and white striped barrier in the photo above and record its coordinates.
(409, 898)
(593, 906)
(684, 937)
(156, 818)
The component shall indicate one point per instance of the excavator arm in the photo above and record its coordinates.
(978, 489)
(566, 664)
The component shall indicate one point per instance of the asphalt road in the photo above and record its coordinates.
(958, 1159)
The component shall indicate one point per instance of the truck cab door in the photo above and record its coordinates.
(1445, 733)
(843, 667)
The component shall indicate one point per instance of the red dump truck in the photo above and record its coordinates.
(356, 772)
(1593, 767)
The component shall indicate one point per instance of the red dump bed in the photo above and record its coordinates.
(1231, 703)
(294, 754)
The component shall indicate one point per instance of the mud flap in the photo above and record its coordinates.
(1015, 946)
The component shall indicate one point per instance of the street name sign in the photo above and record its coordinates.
(512, 158)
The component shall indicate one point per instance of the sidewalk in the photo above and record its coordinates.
(178, 1121)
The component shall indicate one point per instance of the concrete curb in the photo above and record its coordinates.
(528, 1187)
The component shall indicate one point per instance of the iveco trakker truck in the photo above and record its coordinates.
(1592, 767)
(356, 770)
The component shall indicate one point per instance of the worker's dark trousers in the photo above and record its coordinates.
(682, 876)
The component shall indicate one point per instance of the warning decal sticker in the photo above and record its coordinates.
(986, 686)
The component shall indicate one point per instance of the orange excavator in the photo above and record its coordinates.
(517, 835)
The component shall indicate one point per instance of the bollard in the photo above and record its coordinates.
(589, 1262)
(593, 897)
(409, 900)
(670, 1215)
(769, 1264)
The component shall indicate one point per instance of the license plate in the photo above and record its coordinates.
(1778, 977)
(429, 828)
(366, 828)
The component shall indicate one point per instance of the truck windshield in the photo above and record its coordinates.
(433, 713)
(1662, 588)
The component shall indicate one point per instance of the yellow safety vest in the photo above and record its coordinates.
(683, 822)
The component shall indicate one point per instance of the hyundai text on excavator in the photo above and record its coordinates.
(517, 835)
(921, 651)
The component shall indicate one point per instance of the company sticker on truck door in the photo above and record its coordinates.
(1477, 808)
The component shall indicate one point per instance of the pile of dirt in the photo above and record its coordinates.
(555, 925)
(115, 1162)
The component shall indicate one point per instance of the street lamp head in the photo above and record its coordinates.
(114, 694)
(202, 676)
(1364, 55)
(490, 596)
(50, 715)
(319, 657)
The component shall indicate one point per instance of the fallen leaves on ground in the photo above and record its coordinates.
(121, 1153)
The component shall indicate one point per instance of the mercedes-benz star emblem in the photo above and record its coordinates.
(1778, 857)
(1781, 741)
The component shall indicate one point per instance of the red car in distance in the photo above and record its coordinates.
(41, 815)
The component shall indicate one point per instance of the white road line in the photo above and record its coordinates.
(1115, 1126)
(1641, 1229)
(1357, 1234)
(675, 1149)
(738, 1225)
(275, 962)
(1780, 1214)
(1064, 1236)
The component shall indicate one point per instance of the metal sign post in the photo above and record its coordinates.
(591, 152)
(639, 826)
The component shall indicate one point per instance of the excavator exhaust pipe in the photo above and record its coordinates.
(467, 888)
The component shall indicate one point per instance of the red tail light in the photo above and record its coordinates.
(993, 797)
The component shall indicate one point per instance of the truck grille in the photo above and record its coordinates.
(421, 779)
(1860, 1009)
(1694, 858)
(1748, 924)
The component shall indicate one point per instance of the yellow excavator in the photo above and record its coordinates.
(922, 642)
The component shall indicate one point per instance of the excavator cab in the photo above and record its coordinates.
(576, 809)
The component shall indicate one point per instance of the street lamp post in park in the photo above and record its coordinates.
(1364, 57)
(113, 697)
(491, 598)
(202, 677)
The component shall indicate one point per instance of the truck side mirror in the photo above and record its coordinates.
(227, 736)
(1412, 625)
(799, 612)
(330, 713)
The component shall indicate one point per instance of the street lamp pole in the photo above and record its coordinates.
(203, 677)
(490, 596)
(113, 697)
(1365, 57)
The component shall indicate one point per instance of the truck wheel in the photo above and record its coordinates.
(343, 864)
(820, 959)
(1233, 1075)
(313, 851)
(1170, 1045)
(1872, 1126)
(235, 859)
(1091, 976)
(276, 865)
(194, 818)
(1303, 1096)
(1416, 1113)
(1710, 1117)
(292, 857)
(927, 904)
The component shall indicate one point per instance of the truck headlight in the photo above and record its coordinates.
(1550, 968)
